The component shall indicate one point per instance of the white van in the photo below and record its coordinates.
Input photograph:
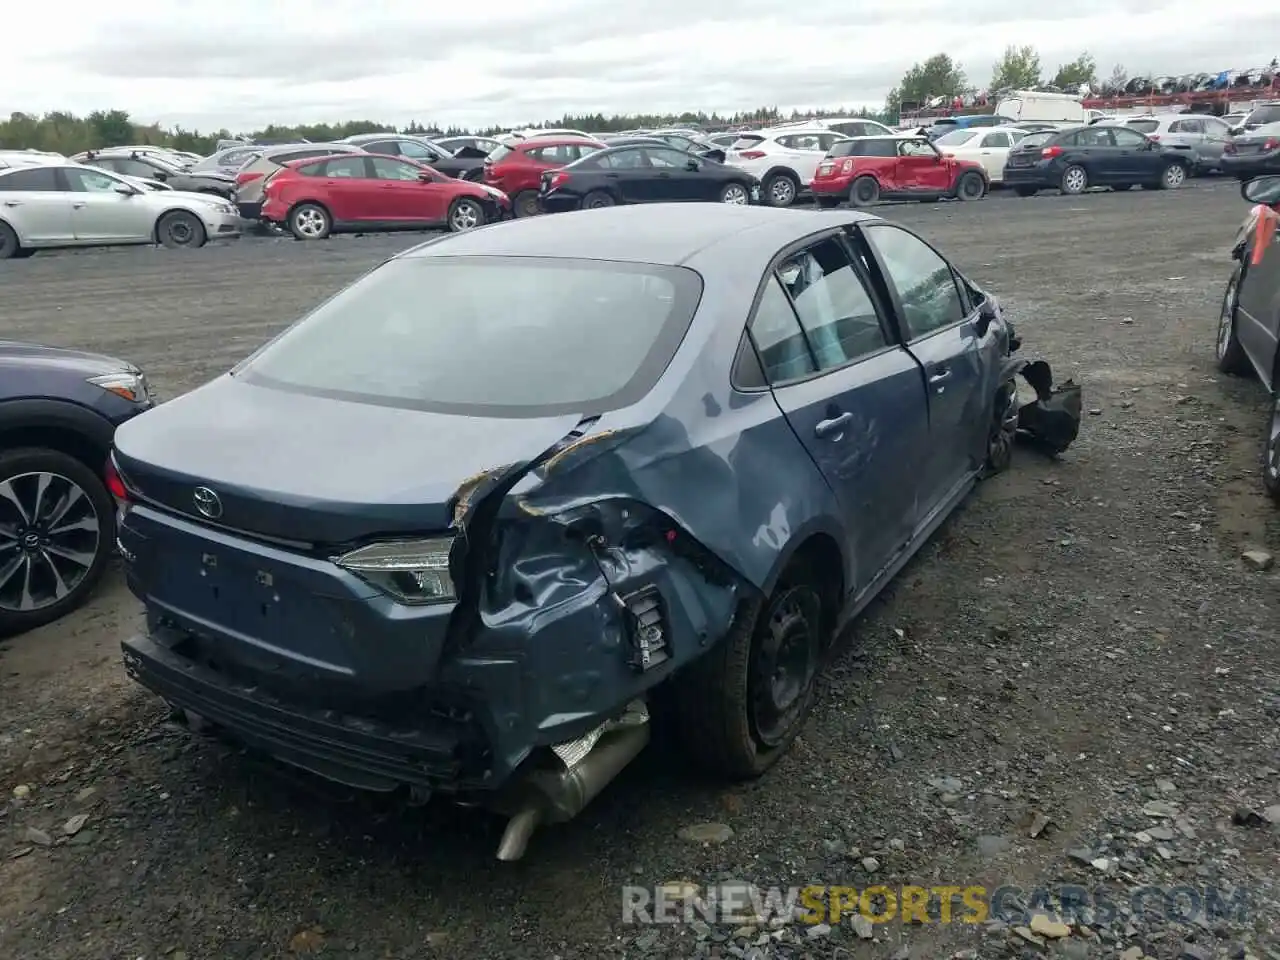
(1030, 105)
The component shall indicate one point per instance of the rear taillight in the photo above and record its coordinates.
(243, 178)
(1271, 144)
(115, 484)
(1154, 136)
(1229, 148)
(1049, 153)
(846, 166)
(557, 181)
(751, 154)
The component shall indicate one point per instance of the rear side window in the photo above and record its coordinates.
(1267, 114)
(351, 167)
(32, 180)
(500, 153)
(1042, 138)
(864, 148)
(1143, 126)
(589, 336)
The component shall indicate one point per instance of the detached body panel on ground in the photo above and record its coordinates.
(659, 484)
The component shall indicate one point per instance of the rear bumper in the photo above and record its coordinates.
(558, 203)
(250, 211)
(1247, 167)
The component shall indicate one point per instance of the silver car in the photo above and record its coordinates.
(1202, 136)
(70, 205)
(228, 162)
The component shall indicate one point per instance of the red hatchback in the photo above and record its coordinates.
(864, 170)
(517, 169)
(346, 192)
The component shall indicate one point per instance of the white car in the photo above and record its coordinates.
(853, 126)
(71, 205)
(988, 146)
(783, 159)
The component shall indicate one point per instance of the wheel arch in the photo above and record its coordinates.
(16, 232)
(817, 545)
(57, 425)
(176, 208)
(313, 203)
(781, 170)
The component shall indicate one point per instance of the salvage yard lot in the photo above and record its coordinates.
(1080, 640)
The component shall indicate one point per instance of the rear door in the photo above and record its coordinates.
(938, 325)
(35, 202)
(993, 150)
(851, 393)
(349, 190)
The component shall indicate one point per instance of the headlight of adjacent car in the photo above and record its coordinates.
(132, 386)
(412, 571)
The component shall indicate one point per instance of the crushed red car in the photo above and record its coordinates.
(516, 169)
(319, 196)
(864, 170)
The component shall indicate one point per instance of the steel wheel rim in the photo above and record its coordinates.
(865, 192)
(180, 231)
(465, 216)
(1174, 176)
(1224, 321)
(1272, 452)
(782, 191)
(735, 195)
(1075, 180)
(310, 222)
(50, 532)
(783, 665)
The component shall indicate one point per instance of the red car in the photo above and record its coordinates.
(864, 170)
(319, 196)
(517, 169)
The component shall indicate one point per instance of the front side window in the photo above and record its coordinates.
(667, 159)
(835, 310)
(586, 336)
(916, 148)
(384, 168)
(1129, 139)
(923, 281)
(417, 151)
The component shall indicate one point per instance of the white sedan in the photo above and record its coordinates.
(69, 205)
(988, 146)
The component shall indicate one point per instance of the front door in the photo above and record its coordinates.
(941, 334)
(1137, 156)
(852, 395)
(921, 169)
(404, 197)
(1259, 312)
(673, 180)
(101, 213)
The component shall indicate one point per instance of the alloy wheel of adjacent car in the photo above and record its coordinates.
(310, 222)
(1175, 175)
(8, 242)
(180, 229)
(465, 214)
(56, 522)
(734, 193)
(971, 187)
(781, 190)
(1271, 454)
(864, 192)
(1074, 180)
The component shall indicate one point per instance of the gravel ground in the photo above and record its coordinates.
(1077, 680)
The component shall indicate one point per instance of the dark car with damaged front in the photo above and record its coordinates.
(433, 538)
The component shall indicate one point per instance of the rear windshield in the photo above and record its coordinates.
(746, 142)
(1037, 139)
(446, 334)
(863, 148)
(500, 152)
(1143, 126)
(956, 137)
(1267, 114)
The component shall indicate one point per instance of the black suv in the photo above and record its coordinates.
(424, 151)
(58, 413)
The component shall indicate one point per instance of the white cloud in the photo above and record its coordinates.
(242, 64)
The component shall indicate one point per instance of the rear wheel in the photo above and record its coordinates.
(597, 199)
(780, 190)
(56, 533)
(465, 214)
(525, 204)
(864, 192)
(9, 246)
(1174, 176)
(1074, 180)
(735, 194)
(1231, 356)
(181, 229)
(742, 704)
(971, 187)
(310, 221)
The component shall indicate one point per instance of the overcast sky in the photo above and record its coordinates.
(242, 64)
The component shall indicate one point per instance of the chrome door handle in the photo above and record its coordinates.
(77, 206)
(939, 374)
(13, 203)
(826, 428)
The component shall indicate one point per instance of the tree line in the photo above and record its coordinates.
(938, 76)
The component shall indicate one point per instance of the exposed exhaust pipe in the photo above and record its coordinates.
(555, 796)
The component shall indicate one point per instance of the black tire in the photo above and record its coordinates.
(525, 204)
(1122, 186)
(713, 699)
(1026, 191)
(310, 221)
(971, 186)
(780, 190)
(1075, 180)
(9, 246)
(1271, 454)
(864, 191)
(735, 193)
(180, 230)
(598, 200)
(465, 214)
(1174, 176)
(826, 203)
(1003, 430)
(1231, 356)
(96, 504)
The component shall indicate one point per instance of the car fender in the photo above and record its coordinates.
(22, 239)
(781, 169)
(48, 413)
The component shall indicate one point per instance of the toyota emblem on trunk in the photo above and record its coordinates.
(207, 503)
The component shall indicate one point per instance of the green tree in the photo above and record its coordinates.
(1083, 69)
(1018, 69)
(939, 76)
(110, 128)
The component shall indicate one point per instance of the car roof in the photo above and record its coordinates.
(661, 233)
(553, 139)
(279, 148)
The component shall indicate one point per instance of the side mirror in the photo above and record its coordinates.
(986, 316)
(160, 175)
(693, 165)
(426, 177)
(1264, 190)
(125, 190)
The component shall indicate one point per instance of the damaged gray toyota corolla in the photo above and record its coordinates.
(465, 526)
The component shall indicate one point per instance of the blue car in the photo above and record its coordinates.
(467, 525)
(58, 411)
